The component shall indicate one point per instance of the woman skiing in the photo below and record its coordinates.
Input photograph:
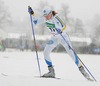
(57, 27)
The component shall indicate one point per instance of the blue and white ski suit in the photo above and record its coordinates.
(56, 22)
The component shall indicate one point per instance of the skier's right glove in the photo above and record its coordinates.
(30, 10)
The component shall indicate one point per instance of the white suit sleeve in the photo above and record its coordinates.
(37, 21)
(59, 23)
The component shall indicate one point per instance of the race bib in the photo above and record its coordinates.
(51, 26)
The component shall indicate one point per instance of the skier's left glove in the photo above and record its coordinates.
(30, 10)
(59, 31)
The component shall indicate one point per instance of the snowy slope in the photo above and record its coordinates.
(20, 68)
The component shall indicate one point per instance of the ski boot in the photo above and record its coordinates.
(84, 73)
(50, 74)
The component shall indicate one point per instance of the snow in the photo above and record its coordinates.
(20, 68)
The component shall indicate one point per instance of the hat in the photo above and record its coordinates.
(46, 11)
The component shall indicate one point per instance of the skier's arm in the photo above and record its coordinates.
(38, 20)
(35, 20)
(59, 24)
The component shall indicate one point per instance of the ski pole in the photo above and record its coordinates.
(77, 55)
(35, 45)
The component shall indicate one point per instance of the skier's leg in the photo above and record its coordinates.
(69, 50)
(74, 56)
(51, 44)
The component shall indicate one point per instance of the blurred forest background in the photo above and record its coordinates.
(85, 36)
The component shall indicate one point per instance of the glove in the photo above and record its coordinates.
(59, 31)
(30, 10)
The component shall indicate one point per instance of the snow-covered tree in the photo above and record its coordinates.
(4, 15)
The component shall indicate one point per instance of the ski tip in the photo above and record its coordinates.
(4, 74)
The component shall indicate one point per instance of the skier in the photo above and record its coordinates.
(56, 26)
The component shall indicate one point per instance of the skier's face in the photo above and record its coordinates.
(48, 17)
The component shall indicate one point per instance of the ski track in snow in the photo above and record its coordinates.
(20, 68)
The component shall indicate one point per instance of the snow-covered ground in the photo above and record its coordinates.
(20, 68)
